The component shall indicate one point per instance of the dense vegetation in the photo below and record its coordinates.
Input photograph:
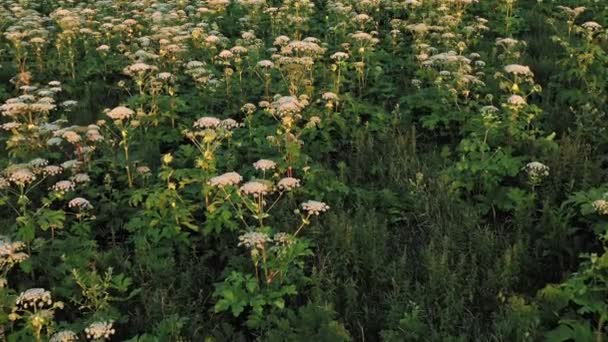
(299, 170)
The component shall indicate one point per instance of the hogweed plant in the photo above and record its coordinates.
(18, 185)
(126, 124)
(208, 135)
(36, 309)
(276, 256)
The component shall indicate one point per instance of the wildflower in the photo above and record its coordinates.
(139, 68)
(52, 170)
(99, 330)
(248, 108)
(80, 203)
(167, 158)
(63, 186)
(120, 113)
(72, 137)
(253, 240)
(164, 76)
(225, 54)
(283, 239)
(516, 101)
(21, 176)
(288, 183)
(255, 188)
(38, 162)
(339, 56)
(69, 103)
(288, 105)
(600, 206)
(592, 26)
(64, 336)
(229, 178)
(329, 96)
(264, 165)
(266, 64)
(207, 122)
(10, 126)
(70, 164)
(536, 171)
(36, 297)
(229, 124)
(93, 135)
(11, 253)
(81, 178)
(517, 69)
(314, 207)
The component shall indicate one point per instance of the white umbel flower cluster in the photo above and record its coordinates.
(99, 330)
(207, 122)
(120, 113)
(288, 183)
(34, 298)
(600, 206)
(264, 165)
(226, 179)
(64, 336)
(537, 171)
(314, 207)
(80, 204)
(253, 240)
(255, 188)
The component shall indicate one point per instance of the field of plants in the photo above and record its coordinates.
(303, 170)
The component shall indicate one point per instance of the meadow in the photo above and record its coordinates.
(303, 170)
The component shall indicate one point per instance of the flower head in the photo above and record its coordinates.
(288, 183)
(52, 170)
(207, 122)
(21, 176)
(63, 186)
(11, 252)
(283, 239)
(255, 188)
(264, 165)
(536, 171)
(229, 178)
(64, 336)
(80, 204)
(120, 113)
(99, 330)
(314, 207)
(600, 206)
(517, 69)
(253, 240)
(36, 297)
(81, 178)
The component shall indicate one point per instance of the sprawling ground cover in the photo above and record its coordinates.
(299, 170)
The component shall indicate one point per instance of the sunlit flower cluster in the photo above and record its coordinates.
(100, 330)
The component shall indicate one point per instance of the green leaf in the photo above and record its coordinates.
(279, 303)
(222, 305)
(27, 229)
(51, 219)
(237, 308)
(251, 285)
